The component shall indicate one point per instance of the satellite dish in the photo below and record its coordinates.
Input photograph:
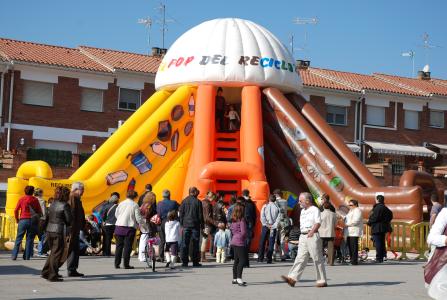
(426, 68)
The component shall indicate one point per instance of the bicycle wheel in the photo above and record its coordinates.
(153, 258)
(148, 253)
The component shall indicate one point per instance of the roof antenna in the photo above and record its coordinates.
(305, 21)
(410, 54)
(148, 24)
(163, 22)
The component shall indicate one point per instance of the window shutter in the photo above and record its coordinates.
(375, 115)
(411, 119)
(91, 100)
(129, 99)
(37, 93)
(437, 118)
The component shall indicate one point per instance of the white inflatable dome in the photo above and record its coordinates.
(228, 52)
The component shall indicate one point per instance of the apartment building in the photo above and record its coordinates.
(386, 119)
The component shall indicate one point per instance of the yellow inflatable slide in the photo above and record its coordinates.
(152, 146)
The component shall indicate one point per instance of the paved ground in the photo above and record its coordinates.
(392, 280)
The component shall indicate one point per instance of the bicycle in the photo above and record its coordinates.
(150, 253)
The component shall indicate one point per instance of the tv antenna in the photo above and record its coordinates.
(427, 46)
(148, 24)
(410, 54)
(305, 22)
(163, 22)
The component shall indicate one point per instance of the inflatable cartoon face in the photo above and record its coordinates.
(247, 55)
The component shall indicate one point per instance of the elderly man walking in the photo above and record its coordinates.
(309, 244)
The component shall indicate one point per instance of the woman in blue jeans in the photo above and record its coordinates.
(27, 214)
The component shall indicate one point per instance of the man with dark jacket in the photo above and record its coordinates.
(78, 222)
(250, 215)
(191, 219)
(59, 216)
(250, 218)
(380, 222)
(163, 208)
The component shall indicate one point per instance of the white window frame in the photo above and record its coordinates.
(345, 115)
(384, 115)
(405, 119)
(443, 118)
(119, 98)
(40, 82)
(102, 99)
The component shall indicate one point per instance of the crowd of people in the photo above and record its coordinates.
(187, 231)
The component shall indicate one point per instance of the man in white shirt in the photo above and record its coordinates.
(309, 244)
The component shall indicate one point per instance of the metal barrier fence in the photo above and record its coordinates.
(8, 229)
(405, 238)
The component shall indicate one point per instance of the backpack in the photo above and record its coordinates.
(35, 217)
(104, 210)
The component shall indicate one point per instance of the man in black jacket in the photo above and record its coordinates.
(380, 222)
(191, 219)
(250, 218)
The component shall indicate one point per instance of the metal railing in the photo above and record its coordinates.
(404, 238)
(8, 228)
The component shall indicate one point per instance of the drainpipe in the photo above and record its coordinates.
(2, 89)
(11, 93)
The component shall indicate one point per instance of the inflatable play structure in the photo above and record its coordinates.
(171, 141)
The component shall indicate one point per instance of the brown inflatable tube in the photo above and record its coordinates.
(322, 127)
(278, 173)
(322, 168)
(425, 181)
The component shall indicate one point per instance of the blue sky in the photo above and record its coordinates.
(353, 35)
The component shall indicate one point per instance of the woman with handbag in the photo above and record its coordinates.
(28, 221)
(59, 217)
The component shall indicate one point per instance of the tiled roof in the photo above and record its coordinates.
(354, 82)
(48, 55)
(440, 82)
(310, 79)
(424, 86)
(124, 60)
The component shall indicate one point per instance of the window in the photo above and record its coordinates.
(437, 118)
(91, 100)
(375, 115)
(37, 93)
(411, 119)
(397, 162)
(336, 115)
(55, 158)
(129, 99)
